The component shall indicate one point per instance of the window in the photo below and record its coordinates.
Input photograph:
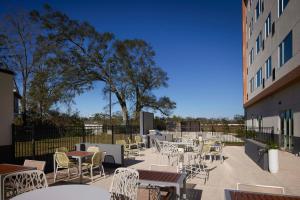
(250, 27)
(251, 57)
(259, 9)
(285, 49)
(281, 6)
(258, 42)
(251, 85)
(258, 77)
(268, 26)
(268, 67)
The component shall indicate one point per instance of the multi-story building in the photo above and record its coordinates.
(271, 68)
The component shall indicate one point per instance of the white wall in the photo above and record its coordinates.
(270, 107)
(6, 108)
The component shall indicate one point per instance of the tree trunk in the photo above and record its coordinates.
(138, 106)
(123, 105)
(24, 103)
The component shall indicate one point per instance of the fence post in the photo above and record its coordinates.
(13, 142)
(272, 135)
(33, 141)
(112, 134)
(83, 135)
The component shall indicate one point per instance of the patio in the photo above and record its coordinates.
(236, 168)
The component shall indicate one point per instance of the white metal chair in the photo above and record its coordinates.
(39, 165)
(25, 181)
(260, 188)
(124, 184)
(171, 151)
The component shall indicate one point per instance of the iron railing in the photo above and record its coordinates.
(263, 134)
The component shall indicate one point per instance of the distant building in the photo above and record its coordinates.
(93, 128)
(271, 68)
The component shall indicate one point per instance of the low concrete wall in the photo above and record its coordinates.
(257, 152)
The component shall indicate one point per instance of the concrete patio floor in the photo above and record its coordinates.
(236, 168)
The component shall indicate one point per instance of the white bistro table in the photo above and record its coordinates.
(64, 192)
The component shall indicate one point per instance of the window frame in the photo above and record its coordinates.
(281, 49)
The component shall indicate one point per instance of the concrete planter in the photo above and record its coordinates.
(273, 160)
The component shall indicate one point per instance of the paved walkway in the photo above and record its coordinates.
(237, 168)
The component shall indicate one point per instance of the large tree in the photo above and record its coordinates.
(140, 76)
(127, 68)
(17, 50)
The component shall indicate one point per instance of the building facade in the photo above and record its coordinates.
(6, 114)
(271, 68)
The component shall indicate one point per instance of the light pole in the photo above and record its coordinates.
(110, 118)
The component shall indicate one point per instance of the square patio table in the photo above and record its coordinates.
(79, 155)
(6, 169)
(245, 195)
(163, 179)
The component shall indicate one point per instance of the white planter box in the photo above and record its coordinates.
(273, 160)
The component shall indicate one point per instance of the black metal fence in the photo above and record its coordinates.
(40, 142)
(263, 134)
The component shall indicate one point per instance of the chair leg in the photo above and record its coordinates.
(103, 170)
(68, 173)
(91, 171)
(55, 174)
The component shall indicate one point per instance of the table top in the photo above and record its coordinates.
(243, 195)
(159, 176)
(79, 153)
(63, 192)
(10, 168)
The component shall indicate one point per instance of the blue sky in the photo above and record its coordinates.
(198, 43)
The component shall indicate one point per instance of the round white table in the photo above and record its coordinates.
(66, 192)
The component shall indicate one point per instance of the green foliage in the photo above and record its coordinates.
(272, 145)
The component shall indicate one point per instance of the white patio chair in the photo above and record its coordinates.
(260, 188)
(20, 182)
(124, 184)
(170, 150)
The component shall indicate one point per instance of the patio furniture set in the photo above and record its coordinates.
(187, 159)
(190, 155)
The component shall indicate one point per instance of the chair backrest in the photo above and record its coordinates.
(93, 149)
(165, 168)
(129, 140)
(62, 149)
(96, 159)
(157, 145)
(260, 188)
(20, 182)
(138, 139)
(124, 184)
(62, 159)
(39, 165)
(206, 148)
(121, 142)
